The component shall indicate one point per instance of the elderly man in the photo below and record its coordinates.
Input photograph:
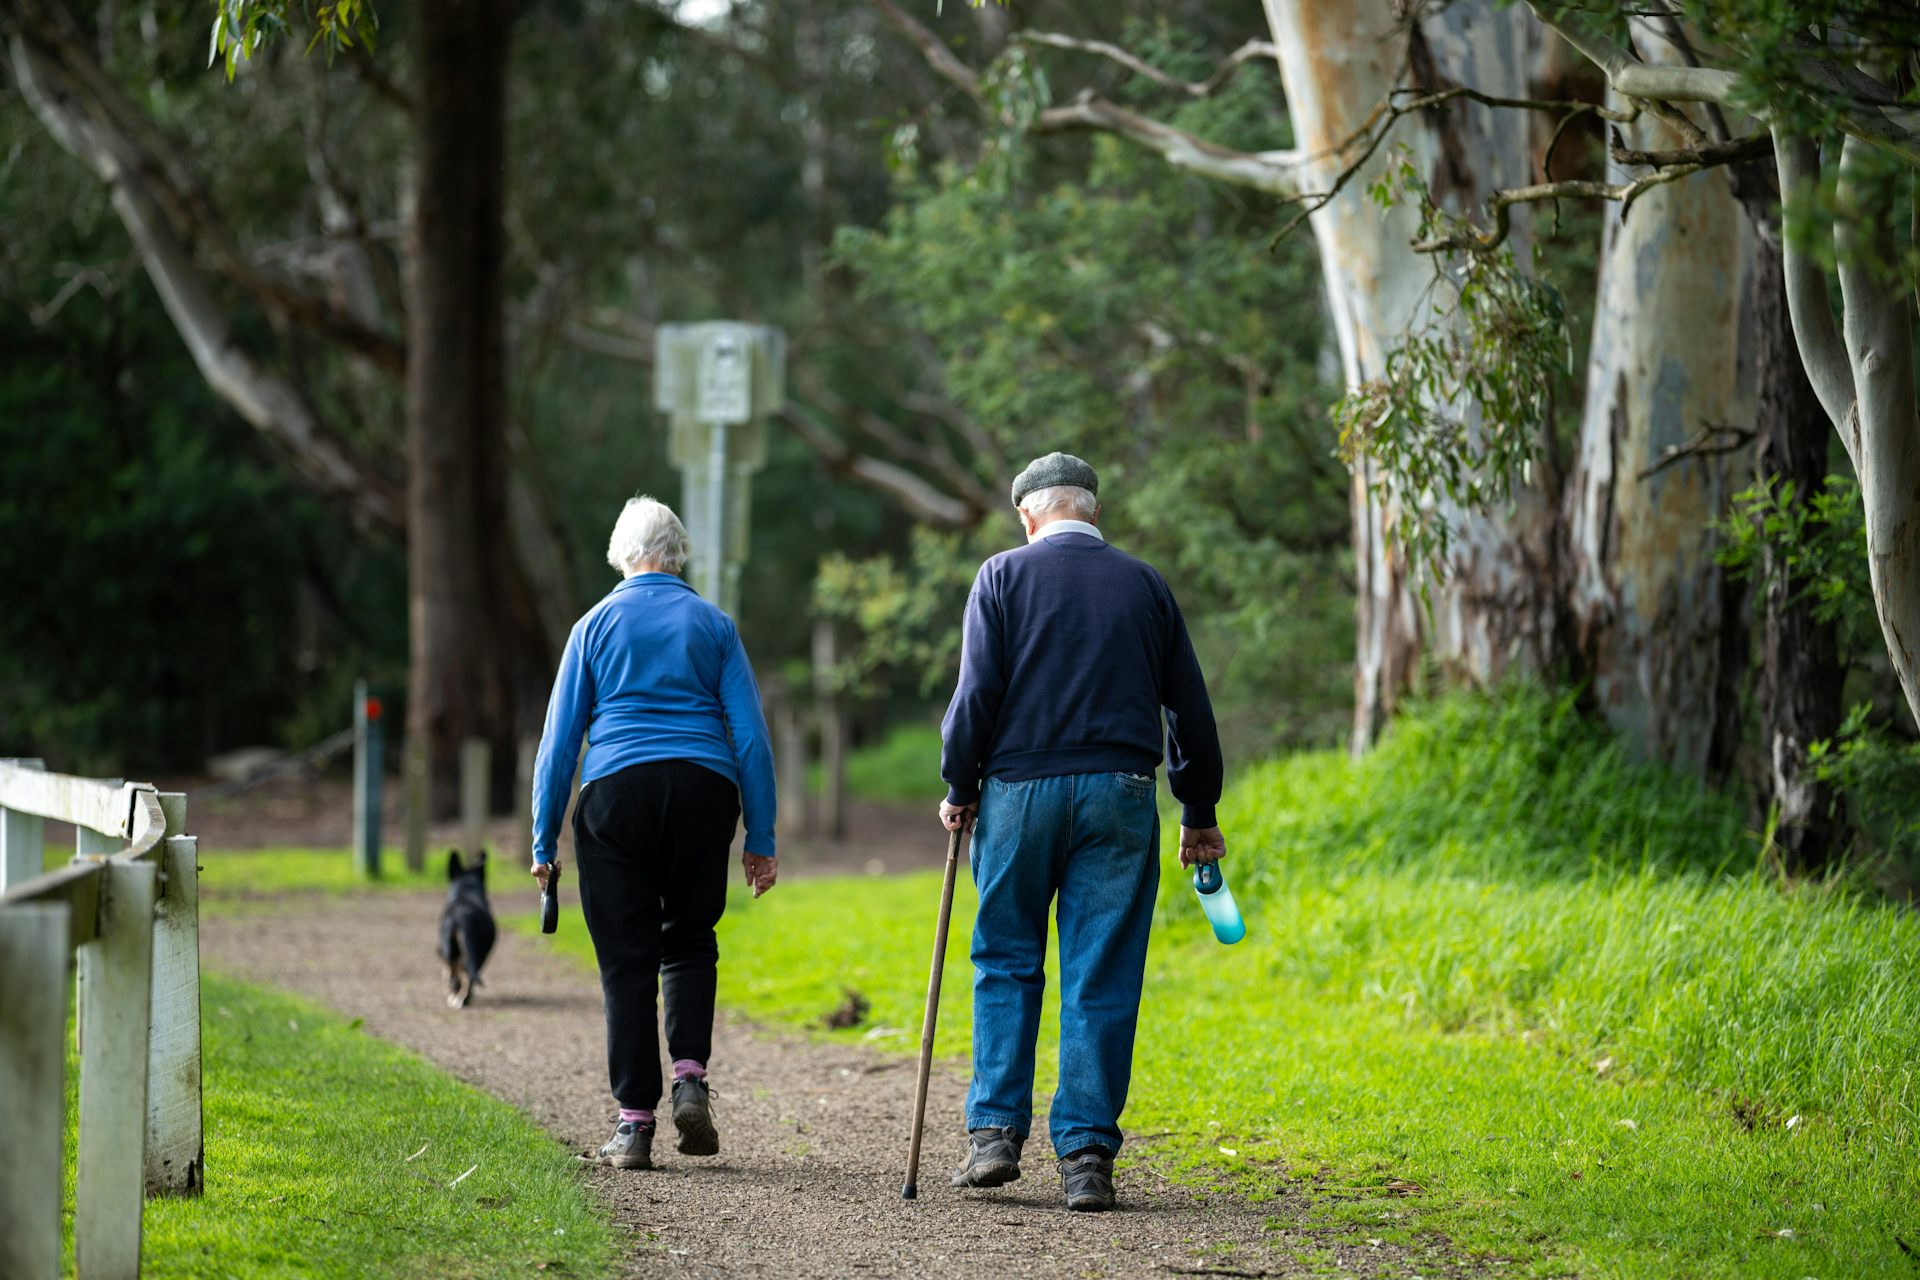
(1070, 653)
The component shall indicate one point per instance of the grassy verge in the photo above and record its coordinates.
(309, 1128)
(1500, 983)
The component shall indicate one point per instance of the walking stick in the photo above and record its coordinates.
(911, 1190)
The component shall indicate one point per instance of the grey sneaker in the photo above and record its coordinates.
(1087, 1178)
(630, 1147)
(693, 1117)
(993, 1159)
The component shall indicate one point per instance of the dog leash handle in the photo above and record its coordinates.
(550, 901)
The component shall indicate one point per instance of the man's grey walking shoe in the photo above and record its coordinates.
(631, 1146)
(993, 1159)
(1087, 1178)
(693, 1117)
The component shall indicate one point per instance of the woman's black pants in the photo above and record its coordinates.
(652, 841)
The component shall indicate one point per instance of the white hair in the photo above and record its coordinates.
(1078, 503)
(647, 532)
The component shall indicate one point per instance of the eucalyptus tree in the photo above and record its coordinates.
(1831, 86)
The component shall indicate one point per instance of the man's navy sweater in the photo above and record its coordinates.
(1070, 651)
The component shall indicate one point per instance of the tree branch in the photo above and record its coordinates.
(1223, 74)
(1731, 151)
(1814, 331)
(1576, 188)
(1879, 117)
(932, 48)
(1274, 172)
(133, 150)
(264, 399)
(909, 490)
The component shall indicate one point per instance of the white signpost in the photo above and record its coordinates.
(717, 382)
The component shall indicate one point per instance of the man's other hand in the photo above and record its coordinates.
(541, 870)
(959, 817)
(1201, 844)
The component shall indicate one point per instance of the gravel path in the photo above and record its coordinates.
(813, 1136)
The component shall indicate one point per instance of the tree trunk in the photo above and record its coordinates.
(1649, 602)
(1801, 672)
(1339, 61)
(479, 660)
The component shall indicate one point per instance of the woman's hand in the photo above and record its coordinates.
(761, 872)
(540, 871)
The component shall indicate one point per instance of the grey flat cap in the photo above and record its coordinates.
(1055, 468)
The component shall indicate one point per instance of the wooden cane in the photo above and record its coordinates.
(911, 1189)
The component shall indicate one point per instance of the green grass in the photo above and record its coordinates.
(901, 768)
(1498, 961)
(309, 1126)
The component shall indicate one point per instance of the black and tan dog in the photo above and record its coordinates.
(466, 927)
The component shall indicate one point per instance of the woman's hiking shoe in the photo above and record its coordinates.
(993, 1159)
(1087, 1178)
(693, 1117)
(631, 1146)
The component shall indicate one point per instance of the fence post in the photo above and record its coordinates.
(833, 733)
(790, 764)
(523, 799)
(368, 750)
(415, 767)
(175, 1148)
(22, 839)
(33, 1104)
(476, 793)
(116, 976)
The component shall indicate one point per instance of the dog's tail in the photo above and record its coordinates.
(476, 933)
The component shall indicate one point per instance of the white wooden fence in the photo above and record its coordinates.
(128, 909)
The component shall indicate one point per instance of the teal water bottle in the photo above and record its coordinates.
(1218, 902)
(1223, 913)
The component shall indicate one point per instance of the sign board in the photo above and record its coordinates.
(717, 383)
(723, 390)
(687, 356)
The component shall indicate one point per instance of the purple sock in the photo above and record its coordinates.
(687, 1068)
(638, 1117)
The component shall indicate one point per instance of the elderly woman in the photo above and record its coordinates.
(657, 680)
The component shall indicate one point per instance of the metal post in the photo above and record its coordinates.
(416, 784)
(33, 1104)
(368, 750)
(476, 801)
(22, 840)
(713, 554)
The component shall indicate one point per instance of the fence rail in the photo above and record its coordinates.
(125, 916)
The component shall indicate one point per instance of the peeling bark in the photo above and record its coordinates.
(1649, 603)
(1496, 612)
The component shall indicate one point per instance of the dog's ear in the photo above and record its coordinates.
(453, 865)
(483, 859)
(481, 866)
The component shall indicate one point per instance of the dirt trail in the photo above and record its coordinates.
(813, 1136)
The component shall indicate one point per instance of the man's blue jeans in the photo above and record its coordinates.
(1093, 839)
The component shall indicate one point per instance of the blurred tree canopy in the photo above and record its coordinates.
(1087, 297)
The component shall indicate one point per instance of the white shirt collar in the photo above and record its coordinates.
(1052, 527)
